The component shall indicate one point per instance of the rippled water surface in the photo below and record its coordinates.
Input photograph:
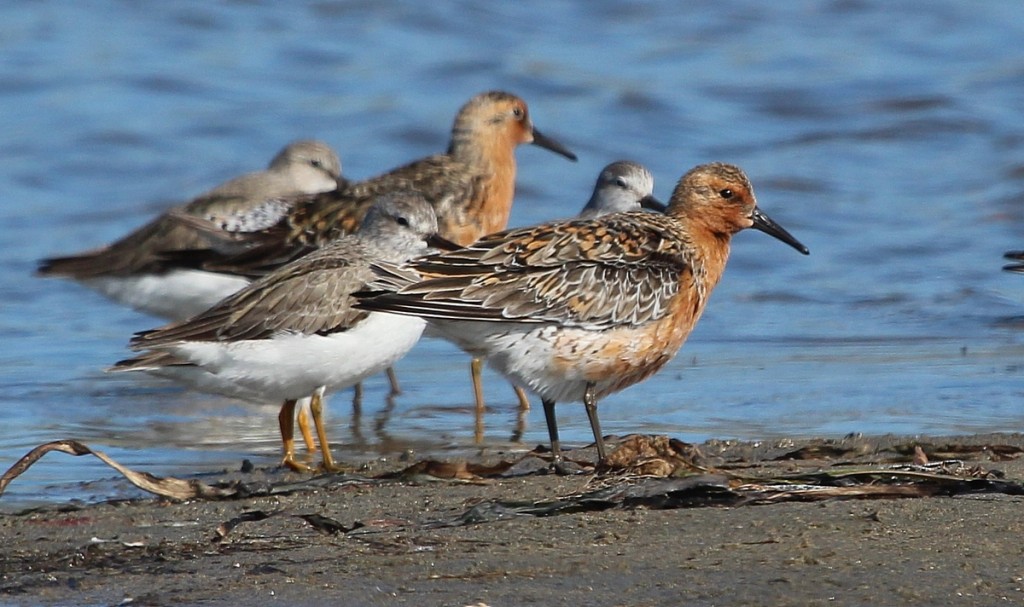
(889, 138)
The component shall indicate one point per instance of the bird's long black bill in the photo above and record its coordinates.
(653, 204)
(1016, 256)
(439, 242)
(765, 224)
(550, 144)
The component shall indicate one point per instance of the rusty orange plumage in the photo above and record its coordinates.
(581, 309)
(471, 187)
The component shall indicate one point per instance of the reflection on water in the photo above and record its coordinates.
(895, 153)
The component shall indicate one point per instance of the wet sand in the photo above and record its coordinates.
(419, 540)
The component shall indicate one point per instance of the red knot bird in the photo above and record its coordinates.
(621, 186)
(577, 310)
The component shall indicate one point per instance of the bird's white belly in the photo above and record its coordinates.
(293, 365)
(175, 295)
(524, 354)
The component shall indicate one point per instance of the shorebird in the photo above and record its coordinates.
(1018, 261)
(622, 186)
(145, 269)
(471, 188)
(577, 310)
(141, 269)
(295, 332)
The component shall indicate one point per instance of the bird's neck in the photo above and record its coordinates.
(493, 160)
(708, 251)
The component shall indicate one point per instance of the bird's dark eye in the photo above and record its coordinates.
(619, 181)
(517, 112)
(317, 164)
(726, 193)
(402, 221)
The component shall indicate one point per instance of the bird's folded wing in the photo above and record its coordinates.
(614, 271)
(310, 296)
(316, 220)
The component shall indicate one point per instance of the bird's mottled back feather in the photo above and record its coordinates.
(316, 220)
(621, 269)
(220, 222)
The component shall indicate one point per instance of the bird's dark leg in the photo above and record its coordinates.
(590, 402)
(549, 417)
(396, 389)
(556, 447)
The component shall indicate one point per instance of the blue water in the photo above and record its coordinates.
(888, 137)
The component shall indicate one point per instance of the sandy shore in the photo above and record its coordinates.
(731, 533)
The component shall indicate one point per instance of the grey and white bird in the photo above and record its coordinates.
(622, 186)
(296, 332)
(144, 269)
